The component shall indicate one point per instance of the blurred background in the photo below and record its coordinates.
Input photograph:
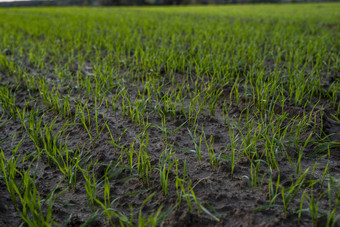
(16, 3)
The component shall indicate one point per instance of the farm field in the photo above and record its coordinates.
(173, 116)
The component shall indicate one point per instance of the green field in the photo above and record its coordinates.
(174, 116)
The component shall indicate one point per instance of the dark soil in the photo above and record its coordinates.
(231, 196)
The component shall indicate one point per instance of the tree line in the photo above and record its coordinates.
(145, 2)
